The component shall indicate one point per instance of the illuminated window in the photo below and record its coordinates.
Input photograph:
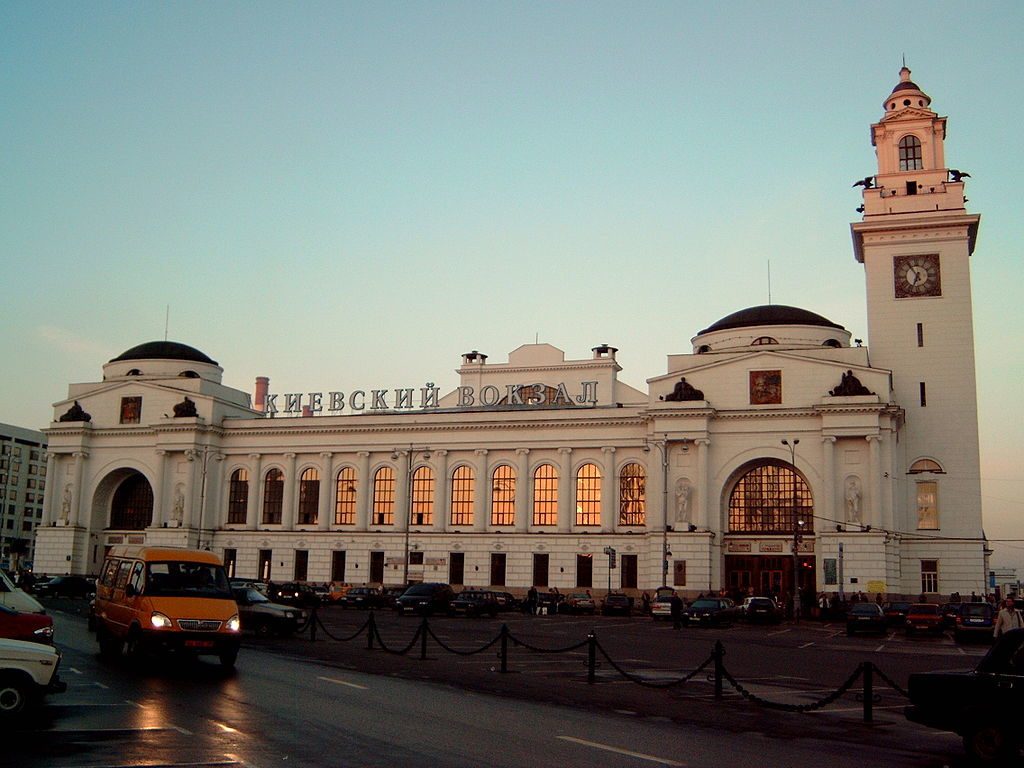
(930, 576)
(384, 496)
(422, 512)
(132, 507)
(588, 495)
(309, 497)
(463, 496)
(545, 495)
(503, 495)
(632, 495)
(770, 498)
(273, 496)
(910, 154)
(238, 496)
(345, 497)
(927, 506)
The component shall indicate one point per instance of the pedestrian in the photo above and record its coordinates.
(676, 604)
(1009, 618)
(531, 601)
(645, 600)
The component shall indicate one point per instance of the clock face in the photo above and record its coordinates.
(915, 276)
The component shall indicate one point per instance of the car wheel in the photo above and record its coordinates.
(110, 646)
(988, 742)
(263, 628)
(133, 644)
(228, 658)
(15, 696)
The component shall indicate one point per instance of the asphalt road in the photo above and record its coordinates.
(296, 702)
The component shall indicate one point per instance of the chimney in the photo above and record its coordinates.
(262, 387)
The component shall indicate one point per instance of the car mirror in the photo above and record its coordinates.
(130, 591)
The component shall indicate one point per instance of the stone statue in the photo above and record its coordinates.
(75, 413)
(185, 409)
(850, 386)
(65, 504)
(683, 491)
(853, 497)
(682, 391)
(178, 510)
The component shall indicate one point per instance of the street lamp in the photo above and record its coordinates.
(202, 486)
(408, 502)
(662, 446)
(797, 531)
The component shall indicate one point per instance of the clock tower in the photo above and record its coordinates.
(915, 241)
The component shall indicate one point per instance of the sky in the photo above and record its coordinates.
(352, 195)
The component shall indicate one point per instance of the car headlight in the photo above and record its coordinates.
(159, 621)
(234, 624)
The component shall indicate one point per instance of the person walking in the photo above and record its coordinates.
(676, 604)
(1009, 618)
(531, 601)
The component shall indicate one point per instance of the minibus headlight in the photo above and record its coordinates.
(159, 621)
(234, 625)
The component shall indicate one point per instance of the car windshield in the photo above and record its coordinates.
(925, 609)
(704, 603)
(420, 590)
(579, 596)
(762, 602)
(187, 579)
(255, 596)
(865, 609)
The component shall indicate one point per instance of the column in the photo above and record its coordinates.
(325, 511)
(252, 510)
(566, 491)
(703, 511)
(196, 460)
(481, 498)
(609, 520)
(403, 483)
(211, 509)
(52, 489)
(828, 457)
(656, 501)
(76, 488)
(886, 480)
(874, 501)
(159, 473)
(442, 493)
(291, 484)
(524, 507)
(364, 491)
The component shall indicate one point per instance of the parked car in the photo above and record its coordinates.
(949, 613)
(548, 602)
(924, 617)
(711, 611)
(30, 627)
(260, 615)
(983, 705)
(65, 586)
(506, 601)
(616, 603)
(975, 621)
(17, 598)
(866, 617)
(294, 593)
(661, 607)
(896, 612)
(391, 594)
(337, 591)
(363, 597)
(762, 610)
(474, 602)
(427, 598)
(322, 592)
(578, 602)
(28, 671)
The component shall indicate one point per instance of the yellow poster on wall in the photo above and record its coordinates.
(876, 586)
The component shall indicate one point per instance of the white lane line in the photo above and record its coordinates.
(618, 751)
(806, 645)
(779, 632)
(853, 709)
(879, 648)
(343, 682)
(75, 671)
(225, 727)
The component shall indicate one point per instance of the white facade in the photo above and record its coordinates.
(700, 480)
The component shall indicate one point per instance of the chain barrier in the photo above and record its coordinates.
(353, 636)
(456, 651)
(890, 682)
(536, 649)
(647, 683)
(307, 622)
(794, 707)
(406, 649)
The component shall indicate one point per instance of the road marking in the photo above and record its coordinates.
(224, 727)
(72, 669)
(806, 645)
(343, 682)
(879, 648)
(779, 632)
(854, 709)
(618, 751)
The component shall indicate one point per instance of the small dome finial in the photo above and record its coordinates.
(905, 73)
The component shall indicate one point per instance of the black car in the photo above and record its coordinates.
(974, 622)
(258, 614)
(294, 593)
(362, 597)
(425, 599)
(762, 610)
(474, 602)
(983, 705)
(866, 617)
(616, 603)
(506, 601)
(949, 613)
(896, 612)
(65, 586)
(711, 611)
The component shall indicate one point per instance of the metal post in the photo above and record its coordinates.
(312, 626)
(719, 653)
(408, 505)
(424, 628)
(796, 532)
(371, 627)
(591, 657)
(869, 691)
(503, 653)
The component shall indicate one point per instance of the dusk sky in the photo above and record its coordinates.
(351, 195)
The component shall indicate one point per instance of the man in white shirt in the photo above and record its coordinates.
(1008, 618)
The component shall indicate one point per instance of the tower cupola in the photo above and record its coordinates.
(906, 95)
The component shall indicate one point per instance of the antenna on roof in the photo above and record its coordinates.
(904, 61)
(167, 321)
(769, 281)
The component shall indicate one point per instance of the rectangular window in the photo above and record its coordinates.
(497, 569)
(230, 559)
(301, 564)
(929, 576)
(911, 187)
(584, 570)
(131, 410)
(338, 565)
(831, 577)
(376, 567)
(416, 557)
(924, 396)
(628, 573)
(679, 573)
(927, 506)
(456, 567)
(920, 334)
(266, 561)
(540, 570)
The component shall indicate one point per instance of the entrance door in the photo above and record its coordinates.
(771, 576)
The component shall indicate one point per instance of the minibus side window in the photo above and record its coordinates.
(136, 579)
(109, 569)
(122, 574)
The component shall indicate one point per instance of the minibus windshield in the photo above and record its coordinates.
(186, 579)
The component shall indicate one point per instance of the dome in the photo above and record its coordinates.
(770, 314)
(164, 350)
(904, 89)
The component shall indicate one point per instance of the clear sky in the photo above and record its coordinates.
(351, 195)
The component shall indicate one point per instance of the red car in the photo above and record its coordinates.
(33, 627)
(924, 617)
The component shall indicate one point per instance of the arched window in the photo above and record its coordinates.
(463, 496)
(132, 507)
(345, 497)
(422, 511)
(238, 497)
(309, 497)
(588, 495)
(503, 495)
(762, 340)
(770, 498)
(831, 343)
(545, 495)
(926, 465)
(273, 496)
(910, 154)
(189, 375)
(384, 496)
(632, 495)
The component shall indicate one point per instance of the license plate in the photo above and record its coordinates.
(975, 621)
(199, 643)
(863, 618)
(920, 626)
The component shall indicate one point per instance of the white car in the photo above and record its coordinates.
(28, 671)
(17, 598)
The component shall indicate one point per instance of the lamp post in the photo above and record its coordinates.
(202, 486)
(408, 502)
(662, 446)
(797, 531)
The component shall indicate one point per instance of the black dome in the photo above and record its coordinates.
(770, 314)
(164, 350)
(906, 85)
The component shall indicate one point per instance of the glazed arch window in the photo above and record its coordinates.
(345, 497)
(761, 341)
(503, 495)
(588, 495)
(926, 465)
(238, 496)
(545, 495)
(463, 496)
(910, 154)
(131, 410)
(384, 496)
(771, 499)
(273, 497)
(422, 511)
(632, 495)
(927, 506)
(309, 497)
(132, 506)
